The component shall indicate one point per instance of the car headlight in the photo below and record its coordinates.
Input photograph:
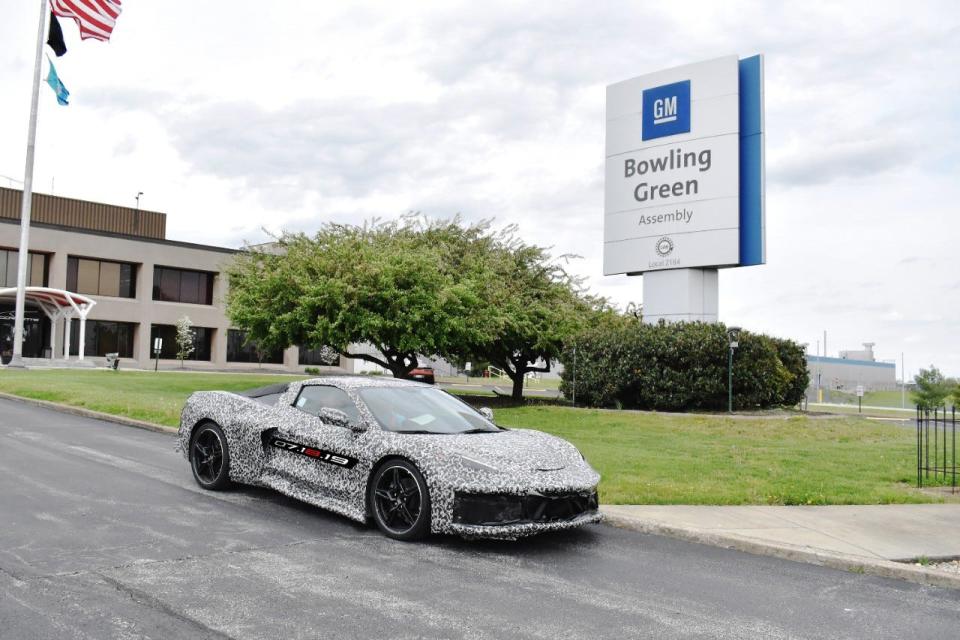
(478, 465)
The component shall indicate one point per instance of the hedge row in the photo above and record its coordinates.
(621, 362)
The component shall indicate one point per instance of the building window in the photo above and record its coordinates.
(182, 285)
(36, 268)
(202, 337)
(101, 277)
(320, 356)
(103, 337)
(237, 351)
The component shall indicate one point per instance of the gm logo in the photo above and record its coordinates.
(666, 110)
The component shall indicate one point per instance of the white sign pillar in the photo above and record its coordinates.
(681, 295)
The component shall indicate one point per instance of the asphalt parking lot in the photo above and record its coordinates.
(103, 534)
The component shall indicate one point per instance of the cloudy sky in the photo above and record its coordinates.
(286, 114)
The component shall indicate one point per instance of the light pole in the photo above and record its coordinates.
(734, 334)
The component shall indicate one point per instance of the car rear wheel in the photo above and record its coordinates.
(210, 457)
(400, 501)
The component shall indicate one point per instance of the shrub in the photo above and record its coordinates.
(679, 367)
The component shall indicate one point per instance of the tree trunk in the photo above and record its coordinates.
(517, 378)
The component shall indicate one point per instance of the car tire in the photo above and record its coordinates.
(400, 500)
(210, 457)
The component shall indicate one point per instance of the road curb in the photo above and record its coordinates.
(851, 563)
(90, 413)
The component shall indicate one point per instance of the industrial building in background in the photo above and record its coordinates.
(105, 279)
(850, 370)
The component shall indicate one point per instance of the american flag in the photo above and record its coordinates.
(94, 17)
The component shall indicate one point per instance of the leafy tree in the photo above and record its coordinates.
(384, 283)
(527, 302)
(414, 287)
(932, 388)
(185, 339)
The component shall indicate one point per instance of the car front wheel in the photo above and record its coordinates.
(400, 501)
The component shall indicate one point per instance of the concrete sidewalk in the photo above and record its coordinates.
(876, 539)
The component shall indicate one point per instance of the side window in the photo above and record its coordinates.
(315, 397)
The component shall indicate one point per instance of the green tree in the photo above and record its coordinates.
(527, 302)
(383, 283)
(932, 388)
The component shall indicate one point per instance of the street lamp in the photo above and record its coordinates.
(734, 334)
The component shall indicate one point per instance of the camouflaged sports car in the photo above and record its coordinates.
(411, 457)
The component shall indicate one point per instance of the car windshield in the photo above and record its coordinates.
(422, 410)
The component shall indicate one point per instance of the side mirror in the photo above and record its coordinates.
(338, 419)
(487, 413)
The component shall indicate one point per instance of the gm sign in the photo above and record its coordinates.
(666, 110)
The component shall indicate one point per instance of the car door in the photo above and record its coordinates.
(327, 454)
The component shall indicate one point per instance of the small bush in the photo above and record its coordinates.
(679, 367)
(313, 371)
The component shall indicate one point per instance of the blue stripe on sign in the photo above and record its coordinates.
(751, 162)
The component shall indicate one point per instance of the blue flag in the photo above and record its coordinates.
(54, 81)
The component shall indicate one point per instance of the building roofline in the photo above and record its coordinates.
(105, 234)
(866, 363)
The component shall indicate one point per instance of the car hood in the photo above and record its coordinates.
(532, 450)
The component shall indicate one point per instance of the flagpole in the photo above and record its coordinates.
(24, 255)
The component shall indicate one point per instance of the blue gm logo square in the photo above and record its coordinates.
(666, 110)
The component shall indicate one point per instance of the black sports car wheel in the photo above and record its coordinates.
(210, 457)
(400, 501)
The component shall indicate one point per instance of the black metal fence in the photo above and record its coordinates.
(937, 447)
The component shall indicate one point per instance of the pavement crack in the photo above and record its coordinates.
(144, 598)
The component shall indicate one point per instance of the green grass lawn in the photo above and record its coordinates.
(644, 458)
(648, 458)
(144, 395)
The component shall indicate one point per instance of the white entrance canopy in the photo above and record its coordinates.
(57, 304)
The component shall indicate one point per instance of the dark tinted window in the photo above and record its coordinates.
(238, 350)
(103, 337)
(202, 337)
(323, 356)
(182, 285)
(101, 277)
(189, 287)
(36, 268)
(312, 398)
